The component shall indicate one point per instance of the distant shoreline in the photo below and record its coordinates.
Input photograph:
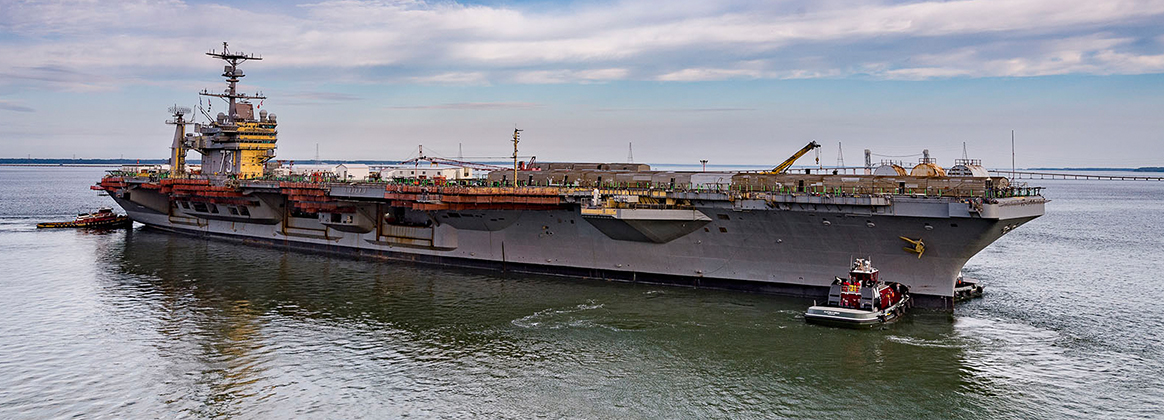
(119, 162)
(80, 162)
(1140, 169)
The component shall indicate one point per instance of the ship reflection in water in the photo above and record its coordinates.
(266, 332)
(140, 324)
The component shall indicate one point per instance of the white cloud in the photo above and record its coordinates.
(1093, 54)
(416, 41)
(8, 105)
(692, 75)
(922, 73)
(474, 106)
(452, 78)
(569, 76)
(1117, 62)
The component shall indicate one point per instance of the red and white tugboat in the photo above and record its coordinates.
(862, 300)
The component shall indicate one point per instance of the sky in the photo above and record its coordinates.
(735, 82)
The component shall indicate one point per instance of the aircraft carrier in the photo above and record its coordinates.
(768, 231)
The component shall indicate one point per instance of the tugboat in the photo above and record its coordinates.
(103, 218)
(966, 289)
(862, 300)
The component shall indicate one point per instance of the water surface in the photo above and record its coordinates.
(142, 324)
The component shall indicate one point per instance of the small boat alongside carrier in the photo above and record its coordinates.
(966, 289)
(862, 300)
(103, 218)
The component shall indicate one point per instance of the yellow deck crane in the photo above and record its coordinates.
(783, 166)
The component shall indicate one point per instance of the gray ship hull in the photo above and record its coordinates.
(793, 249)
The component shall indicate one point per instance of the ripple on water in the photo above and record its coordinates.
(139, 324)
(555, 318)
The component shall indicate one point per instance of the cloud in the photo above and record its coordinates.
(441, 42)
(311, 98)
(451, 78)
(701, 74)
(474, 106)
(569, 76)
(674, 109)
(14, 106)
(923, 73)
(1118, 62)
(324, 96)
(1093, 54)
(59, 77)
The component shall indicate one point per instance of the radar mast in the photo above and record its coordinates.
(232, 74)
(237, 142)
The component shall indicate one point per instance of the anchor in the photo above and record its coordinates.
(918, 247)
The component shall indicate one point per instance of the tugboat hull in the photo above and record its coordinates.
(117, 222)
(852, 318)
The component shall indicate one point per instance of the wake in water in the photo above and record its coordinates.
(559, 318)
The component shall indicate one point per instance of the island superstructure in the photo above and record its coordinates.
(768, 231)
